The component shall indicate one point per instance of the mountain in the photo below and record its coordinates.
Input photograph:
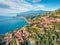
(31, 13)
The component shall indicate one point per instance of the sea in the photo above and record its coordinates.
(9, 23)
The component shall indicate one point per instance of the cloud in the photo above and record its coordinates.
(4, 6)
(35, 1)
(18, 6)
(39, 7)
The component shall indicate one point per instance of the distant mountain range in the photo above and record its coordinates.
(31, 13)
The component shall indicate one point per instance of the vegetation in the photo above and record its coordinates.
(47, 37)
(13, 42)
(55, 13)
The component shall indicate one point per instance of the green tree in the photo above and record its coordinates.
(13, 42)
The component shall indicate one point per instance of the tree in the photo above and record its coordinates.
(13, 42)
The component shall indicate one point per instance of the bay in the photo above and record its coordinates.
(11, 23)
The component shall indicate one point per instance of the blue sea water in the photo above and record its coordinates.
(10, 23)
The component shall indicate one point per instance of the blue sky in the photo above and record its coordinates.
(13, 7)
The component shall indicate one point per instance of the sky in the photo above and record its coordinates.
(12, 7)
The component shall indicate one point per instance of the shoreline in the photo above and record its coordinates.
(25, 19)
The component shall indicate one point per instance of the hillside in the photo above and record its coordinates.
(55, 13)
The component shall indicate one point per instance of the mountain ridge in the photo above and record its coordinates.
(30, 13)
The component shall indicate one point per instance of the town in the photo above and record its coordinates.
(22, 35)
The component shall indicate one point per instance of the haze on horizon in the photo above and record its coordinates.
(12, 7)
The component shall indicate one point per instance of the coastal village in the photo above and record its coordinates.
(22, 33)
(42, 30)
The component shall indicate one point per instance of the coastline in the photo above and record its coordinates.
(25, 19)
